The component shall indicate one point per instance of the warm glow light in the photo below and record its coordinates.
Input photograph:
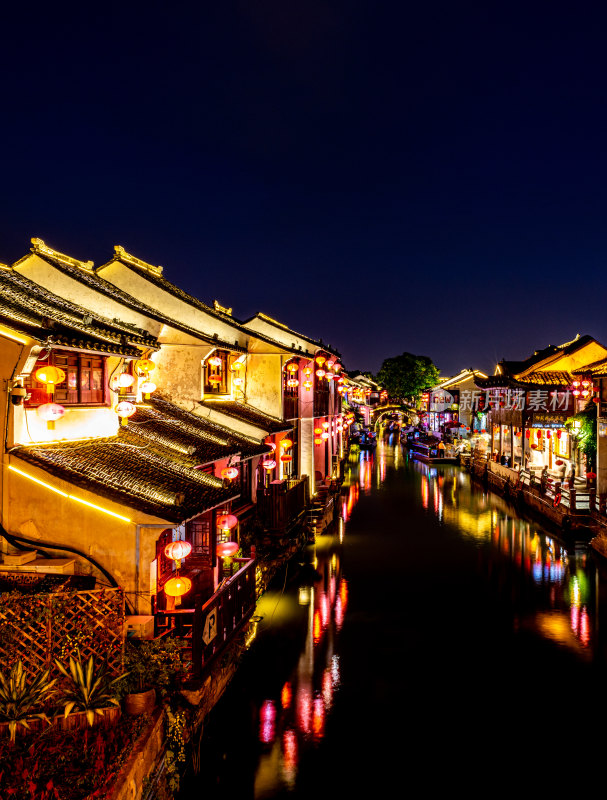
(320, 360)
(177, 587)
(285, 458)
(147, 387)
(227, 549)
(69, 496)
(292, 367)
(125, 410)
(268, 465)
(286, 443)
(320, 373)
(215, 361)
(227, 521)
(125, 380)
(50, 376)
(229, 473)
(145, 365)
(177, 551)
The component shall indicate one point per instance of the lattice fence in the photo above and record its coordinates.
(39, 628)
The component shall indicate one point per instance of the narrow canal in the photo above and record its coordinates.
(433, 641)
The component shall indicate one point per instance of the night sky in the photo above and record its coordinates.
(389, 176)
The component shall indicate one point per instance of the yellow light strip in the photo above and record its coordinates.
(69, 496)
(13, 336)
(36, 480)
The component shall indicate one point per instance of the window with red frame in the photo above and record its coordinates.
(216, 375)
(85, 380)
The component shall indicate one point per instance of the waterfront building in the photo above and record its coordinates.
(530, 402)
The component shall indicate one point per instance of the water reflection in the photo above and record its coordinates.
(461, 570)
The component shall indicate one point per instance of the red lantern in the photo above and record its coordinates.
(285, 458)
(227, 549)
(527, 434)
(292, 367)
(533, 446)
(227, 521)
(548, 435)
(558, 434)
(559, 463)
(214, 378)
(268, 464)
(286, 443)
(539, 434)
(177, 550)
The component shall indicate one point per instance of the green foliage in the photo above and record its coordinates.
(175, 752)
(20, 700)
(87, 689)
(586, 434)
(152, 664)
(407, 376)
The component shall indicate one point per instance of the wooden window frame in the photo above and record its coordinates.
(85, 381)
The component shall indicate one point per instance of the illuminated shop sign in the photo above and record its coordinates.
(548, 420)
(551, 401)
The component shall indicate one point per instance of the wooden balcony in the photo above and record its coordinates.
(282, 504)
(209, 627)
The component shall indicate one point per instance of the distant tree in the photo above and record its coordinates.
(406, 376)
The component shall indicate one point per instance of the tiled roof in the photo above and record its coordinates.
(94, 281)
(281, 326)
(159, 420)
(542, 378)
(247, 413)
(33, 310)
(154, 276)
(146, 476)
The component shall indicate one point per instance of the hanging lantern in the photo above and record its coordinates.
(145, 365)
(227, 549)
(596, 400)
(124, 409)
(558, 434)
(292, 367)
(215, 361)
(548, 435)
(229, 473)
(318, 440)
(325, 424)
(176, 551)
(527, 434)
(336, 367)
(330, 363)
(533, 446)
(125, 379)
(292, 383)
(227, 521)
(50, 413)
(286, 457)
(307, 385)
(147, 387)
(559, 463)
(320, 373)
(214, 378)
(268, 464)
(539, 434)
(50, 376)
(177, 587)
(286, 443)
(329, 376)
(585, 383)
(318, 431)
(320, 360)
(325, 435)
(307, 371)
(237, 381)
(272, 445)
(237, 365)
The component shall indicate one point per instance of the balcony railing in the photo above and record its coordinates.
(209, 627)
(281, 503)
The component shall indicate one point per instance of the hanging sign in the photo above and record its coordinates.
(209, 632)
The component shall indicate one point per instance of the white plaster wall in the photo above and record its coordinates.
(43, 273)
(263, 388)
(137, 285)
(38, 513)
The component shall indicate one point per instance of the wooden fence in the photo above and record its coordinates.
(39, 628)
(281, 502)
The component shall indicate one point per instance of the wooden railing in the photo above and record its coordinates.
(208, 627)
(281, 502)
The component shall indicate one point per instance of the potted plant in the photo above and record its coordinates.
(153, 668)
(20, 701)
(88, 690)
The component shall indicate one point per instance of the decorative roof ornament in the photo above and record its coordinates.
(222, 309)
(41, 247)
(121, 254)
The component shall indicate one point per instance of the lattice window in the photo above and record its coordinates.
(85, 380)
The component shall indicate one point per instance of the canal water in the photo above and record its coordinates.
(432, 641)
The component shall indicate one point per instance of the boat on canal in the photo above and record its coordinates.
(429, 453)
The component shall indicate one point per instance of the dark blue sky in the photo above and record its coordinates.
(388, 176)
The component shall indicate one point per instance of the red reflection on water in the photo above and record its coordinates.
(267, 721)
(318, 719)
(584, 632)
(286, 695)
(425, 492)
(290, 755)
(304, 710)
(316, 627)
